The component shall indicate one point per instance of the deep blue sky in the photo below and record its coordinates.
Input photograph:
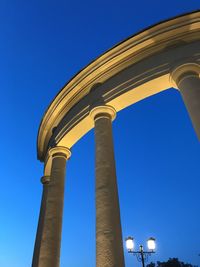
(42, 45)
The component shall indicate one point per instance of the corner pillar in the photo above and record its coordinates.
(48, 238)
(109, 246)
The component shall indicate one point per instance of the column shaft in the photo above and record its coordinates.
(189, 88)
(109, 248)
(47, 249)
(38, 240)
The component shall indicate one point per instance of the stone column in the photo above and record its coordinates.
(187, 79)
(109, 246)
(48, 239)
(45, 181)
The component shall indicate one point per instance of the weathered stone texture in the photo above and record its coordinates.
(109, 248)
(47, 249)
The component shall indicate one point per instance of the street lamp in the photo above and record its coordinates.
(141, 255)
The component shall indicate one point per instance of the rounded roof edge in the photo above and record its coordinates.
(76, 80)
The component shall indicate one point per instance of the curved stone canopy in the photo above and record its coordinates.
(134, 69)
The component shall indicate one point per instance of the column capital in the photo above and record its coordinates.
(45, 179)
(60, 151)
(182, 71)
(103, 111)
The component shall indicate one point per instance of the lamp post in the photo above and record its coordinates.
(141, 255)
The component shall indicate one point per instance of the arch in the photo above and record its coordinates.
(134, 69)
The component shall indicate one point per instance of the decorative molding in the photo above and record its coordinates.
(45, 179)
(120, 73)
(59, 151)
(184, 70)
(102, 111)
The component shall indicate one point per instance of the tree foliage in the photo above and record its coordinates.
(172, 262)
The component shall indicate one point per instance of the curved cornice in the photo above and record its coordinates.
(152, 41)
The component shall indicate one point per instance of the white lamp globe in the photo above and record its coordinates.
(151, 243)
(129, 243)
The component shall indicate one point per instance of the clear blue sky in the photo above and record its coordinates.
(42, 45)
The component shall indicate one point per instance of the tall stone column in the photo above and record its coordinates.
(187, 79)
(48, 238)
(109, 246)
(45, 181)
